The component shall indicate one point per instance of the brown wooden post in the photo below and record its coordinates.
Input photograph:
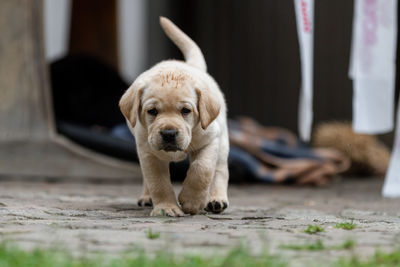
(29, 144)
(94, 30)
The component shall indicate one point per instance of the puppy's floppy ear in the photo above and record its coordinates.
(208, 106)
(130, 102)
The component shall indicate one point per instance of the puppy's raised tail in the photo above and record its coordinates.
(189, 48)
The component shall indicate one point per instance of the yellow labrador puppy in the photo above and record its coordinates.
(176, 109)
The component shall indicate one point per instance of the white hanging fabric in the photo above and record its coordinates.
(304, 10)
(373, 66)
(373, 70)
(391, 187)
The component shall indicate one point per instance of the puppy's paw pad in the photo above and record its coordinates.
(168, 210)
(217, 206)
(145, 201)
(192, 209)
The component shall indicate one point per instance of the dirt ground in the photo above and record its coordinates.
(87, 217)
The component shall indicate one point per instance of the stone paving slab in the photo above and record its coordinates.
(90, 218)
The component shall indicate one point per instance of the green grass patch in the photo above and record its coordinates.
(14, 257)
(380, 259)
(348, 244)
(346, 225)
(317, 245)
(152, 235)
(11, 256)
(313, 229)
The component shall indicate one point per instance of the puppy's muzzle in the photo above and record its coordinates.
(169, 140)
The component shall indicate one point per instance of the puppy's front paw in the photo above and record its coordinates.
(217, 204)
(145, 201)
(166, 209)
(192, 202)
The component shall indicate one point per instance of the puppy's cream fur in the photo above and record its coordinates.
(169, 88)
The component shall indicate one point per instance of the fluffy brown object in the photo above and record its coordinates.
(368, 155)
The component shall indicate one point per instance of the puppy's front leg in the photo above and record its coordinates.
(156, 175)
(195, 191)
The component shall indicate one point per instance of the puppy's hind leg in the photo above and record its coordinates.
(145, 199)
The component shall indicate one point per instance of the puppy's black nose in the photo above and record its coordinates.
(169, 136)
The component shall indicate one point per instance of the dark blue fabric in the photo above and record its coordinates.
(122, 131)
(282, 150)
(249, 164)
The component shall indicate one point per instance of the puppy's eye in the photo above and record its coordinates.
(152, 112)
(185, 111)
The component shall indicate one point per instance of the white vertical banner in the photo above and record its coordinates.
(373, 66)
(391, 187)
(304, 10)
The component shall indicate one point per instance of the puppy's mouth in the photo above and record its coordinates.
(170, 148)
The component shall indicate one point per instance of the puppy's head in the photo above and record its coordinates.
(170, 105)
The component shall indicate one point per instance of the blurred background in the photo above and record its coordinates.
(93, 50)
(251, 48)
